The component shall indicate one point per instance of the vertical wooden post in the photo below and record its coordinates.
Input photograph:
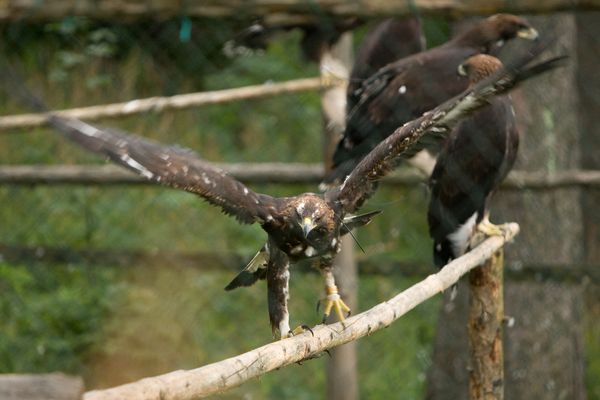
(486, 312)
(342, 377)
(342, 374)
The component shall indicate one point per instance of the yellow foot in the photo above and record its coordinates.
(484, 230)
(297, 331)
(335, 302)
(489, 229)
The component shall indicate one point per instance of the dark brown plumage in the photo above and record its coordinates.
(473, 162)
(388, 41)
(298, 227)
(404, 89)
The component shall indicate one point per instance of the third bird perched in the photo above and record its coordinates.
(473, 162)
(403, 90)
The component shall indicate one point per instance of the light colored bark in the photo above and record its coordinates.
(40, 387)
(177, 102)
(223, 375)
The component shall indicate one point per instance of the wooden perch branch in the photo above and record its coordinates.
(40, 387)
(276, 11)
(177, 102)
(226, 374)
(285, 173)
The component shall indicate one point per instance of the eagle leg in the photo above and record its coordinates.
(333, 301)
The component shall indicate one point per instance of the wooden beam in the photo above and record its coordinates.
(40, 387)
(223, 375)
(274, 11)
(280, 173)
(218, 261)
(177, 102)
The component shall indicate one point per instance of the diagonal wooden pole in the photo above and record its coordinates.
(177, 102)
(223, 375)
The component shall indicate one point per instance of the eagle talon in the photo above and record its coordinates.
(314, 356)
(333, 301)
(489, 229)
(297, 331)
(307, 328)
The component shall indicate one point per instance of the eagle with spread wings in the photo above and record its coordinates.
(308, 225)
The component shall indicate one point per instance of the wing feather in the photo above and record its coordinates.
(434, 125)
(172, 166)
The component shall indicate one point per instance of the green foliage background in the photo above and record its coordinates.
(113, 325)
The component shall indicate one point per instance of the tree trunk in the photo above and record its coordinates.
(342, 376)
(486, 311)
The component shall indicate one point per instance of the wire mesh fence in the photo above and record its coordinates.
(114, 321)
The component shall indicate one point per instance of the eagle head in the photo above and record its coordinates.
(479, 67)
(504, 27)
(314, 218)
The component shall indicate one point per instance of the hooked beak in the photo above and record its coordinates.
(307, 225)
(461, 70)
(529, 34)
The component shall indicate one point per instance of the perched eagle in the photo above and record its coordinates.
(298, 227)
(404, 89)
(473, 162)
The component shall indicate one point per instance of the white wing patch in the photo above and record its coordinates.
(460, 237)
(136, 165)
(84, 128)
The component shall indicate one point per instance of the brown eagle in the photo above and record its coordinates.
(303, 226)
(473, 162)
(405, 89)
(391, 39)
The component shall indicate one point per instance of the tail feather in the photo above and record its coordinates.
(542, 67)
(245, 278)
(442, 253)
(255, 270)
(356, 221)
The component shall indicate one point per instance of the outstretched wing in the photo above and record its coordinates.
(409, 139)
(171, 166)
